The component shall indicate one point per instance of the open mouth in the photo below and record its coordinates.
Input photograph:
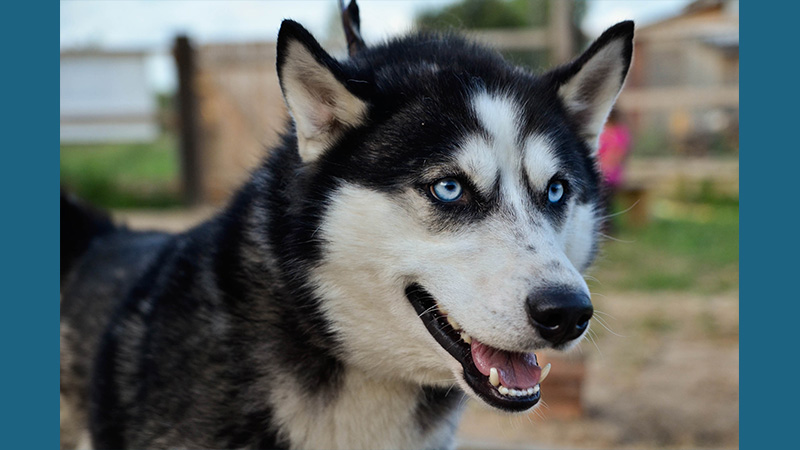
(503, 379)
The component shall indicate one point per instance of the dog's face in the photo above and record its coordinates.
(461, 204)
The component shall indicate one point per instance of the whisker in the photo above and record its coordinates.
(544, 404)
(592, 340)
(597, 311)
(427, 311)
(611, 238)
(603, 323)
(623, 211)
(591, 278)
(540, 411)
(463, 400)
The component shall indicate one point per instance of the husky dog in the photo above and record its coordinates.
(420, 232)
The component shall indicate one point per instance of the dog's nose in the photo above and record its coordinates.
(560, 314)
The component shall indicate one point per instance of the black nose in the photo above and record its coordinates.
(560, 314)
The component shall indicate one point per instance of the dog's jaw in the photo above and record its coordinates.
(520, 395)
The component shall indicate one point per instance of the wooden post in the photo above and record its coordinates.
(561, 30)
(187, 119)
(563, 389)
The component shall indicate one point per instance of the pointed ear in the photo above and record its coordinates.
(313, 86)
(351, 22)
(589, 85)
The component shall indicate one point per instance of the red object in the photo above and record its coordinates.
(615, 143)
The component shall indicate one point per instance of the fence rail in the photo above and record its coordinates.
(648, 99)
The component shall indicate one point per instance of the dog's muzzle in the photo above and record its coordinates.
(508, 380)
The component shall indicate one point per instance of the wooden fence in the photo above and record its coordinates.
(239, 115)
(232, 110)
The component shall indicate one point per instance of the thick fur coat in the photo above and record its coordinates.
(429, 202)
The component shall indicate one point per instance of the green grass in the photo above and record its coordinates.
(692, 244)
(123, 175)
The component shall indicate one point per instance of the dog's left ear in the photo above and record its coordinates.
(314, 88)
(589, 85)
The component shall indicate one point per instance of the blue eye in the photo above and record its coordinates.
(447, 190)
(555, 191)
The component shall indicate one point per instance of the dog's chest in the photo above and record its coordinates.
(363, 414)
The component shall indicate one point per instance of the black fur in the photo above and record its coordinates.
(435, 404)
(80, 224)
(175, 338)
(408, 102)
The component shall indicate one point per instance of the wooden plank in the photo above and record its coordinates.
(561, 31)
(81, 119)
(644, 99)
(689, 30)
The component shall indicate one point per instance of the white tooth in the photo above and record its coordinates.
(465, 337)
(545, 372)
(453, 323)
(530, 391)
(513, 392)
(503, 390)
(535, 389)
(494, 377)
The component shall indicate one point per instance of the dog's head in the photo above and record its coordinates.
(460, 203)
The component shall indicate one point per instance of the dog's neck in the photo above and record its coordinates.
(367, 413)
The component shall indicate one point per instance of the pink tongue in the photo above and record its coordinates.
(516, 370)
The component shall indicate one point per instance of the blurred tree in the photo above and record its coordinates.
(481, 14)
(485, 14)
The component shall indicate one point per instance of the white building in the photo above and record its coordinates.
(105, 97)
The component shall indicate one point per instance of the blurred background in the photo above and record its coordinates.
(166, 106)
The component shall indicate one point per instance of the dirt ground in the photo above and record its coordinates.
(661, 371)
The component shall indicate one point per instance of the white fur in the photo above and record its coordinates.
(367, 413)
(482, 273)
(482, 165)
(500, 117)
(319, 104)
(539, 160)
(606, 64)
(85, 442)
(579, 234)
(372, 246)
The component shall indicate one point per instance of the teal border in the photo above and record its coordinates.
(769, 155)
(30, 111)
(768, 248)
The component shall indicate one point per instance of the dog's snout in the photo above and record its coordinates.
(559, 314)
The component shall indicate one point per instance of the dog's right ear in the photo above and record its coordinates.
(314, 89)
(589, 85)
